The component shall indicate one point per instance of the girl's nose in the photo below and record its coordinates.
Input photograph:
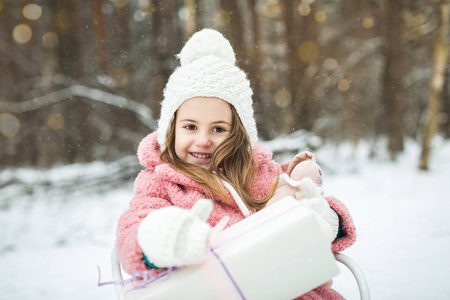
(203, 140)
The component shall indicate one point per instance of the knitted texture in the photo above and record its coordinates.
(346, 222)
(173, 236)
(208, 70)
(308, 188)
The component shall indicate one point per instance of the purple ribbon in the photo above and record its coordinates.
(147, 278)
(236, 286)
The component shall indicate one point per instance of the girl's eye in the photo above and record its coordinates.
(190, 127)
(218, 129)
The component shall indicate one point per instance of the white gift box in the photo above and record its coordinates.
(276, 253)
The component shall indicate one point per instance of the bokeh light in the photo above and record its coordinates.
(145, 9)
(144, 4)
(22, 33)
(50, 40)
(283, 98)
(32, 11)
(9, 124)
(120, 76)
(344, 85)
(308, 51)
(367, 23)
(120, 3)
(272, 9)
(320, 16)
(139, 15)
(55, 121)
(304, 9)
(330, 64)
(222, 18)
(269, 81)
(184, 14)
(63, 20)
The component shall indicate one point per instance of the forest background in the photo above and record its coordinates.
(82, 81)
(365, 84)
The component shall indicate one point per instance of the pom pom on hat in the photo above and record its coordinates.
(204, 43)
(208, 70)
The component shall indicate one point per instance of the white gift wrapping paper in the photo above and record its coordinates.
(276, 253)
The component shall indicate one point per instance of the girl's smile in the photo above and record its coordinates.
(202, 124)
(201, 155)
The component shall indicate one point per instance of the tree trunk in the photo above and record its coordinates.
(395, 70)
(436, 81)
(100, 35)
(297, 109)
(254, 55)
(300, 31)
(234, 30)
(446, 100)
(190, 22)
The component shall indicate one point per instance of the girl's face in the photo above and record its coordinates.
(202, 124)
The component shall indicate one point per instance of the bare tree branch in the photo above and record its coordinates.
(20, 59)
(420, 30)
(353, 59)
(144, 114)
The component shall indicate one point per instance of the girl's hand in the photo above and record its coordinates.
(290, 164)
(327, 284)
(327, 217)
(172, 236)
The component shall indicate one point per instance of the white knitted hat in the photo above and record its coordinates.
(208, 70)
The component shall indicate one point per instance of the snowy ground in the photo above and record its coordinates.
(50, 243)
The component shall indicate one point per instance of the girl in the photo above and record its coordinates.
(204, 148)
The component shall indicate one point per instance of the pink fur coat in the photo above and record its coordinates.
(160, 185)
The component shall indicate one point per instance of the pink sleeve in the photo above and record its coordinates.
(147, 198)
(268, 171)
(348, 228)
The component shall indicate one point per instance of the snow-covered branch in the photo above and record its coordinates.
(62, 181)
(143, 112)
(293, 142)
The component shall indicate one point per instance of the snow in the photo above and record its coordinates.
(51, 242)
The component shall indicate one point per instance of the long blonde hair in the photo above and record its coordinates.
(232, 161)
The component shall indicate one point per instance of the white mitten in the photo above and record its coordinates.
(328, 219)
(173, 237)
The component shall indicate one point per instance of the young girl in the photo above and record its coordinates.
(205, 148)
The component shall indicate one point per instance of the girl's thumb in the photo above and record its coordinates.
(202, 208)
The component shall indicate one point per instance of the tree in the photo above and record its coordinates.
(344, 70)
(396, 64)
(440, 58)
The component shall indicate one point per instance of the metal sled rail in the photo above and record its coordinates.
(357, 272)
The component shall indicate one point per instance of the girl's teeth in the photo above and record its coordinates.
(201, 155)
